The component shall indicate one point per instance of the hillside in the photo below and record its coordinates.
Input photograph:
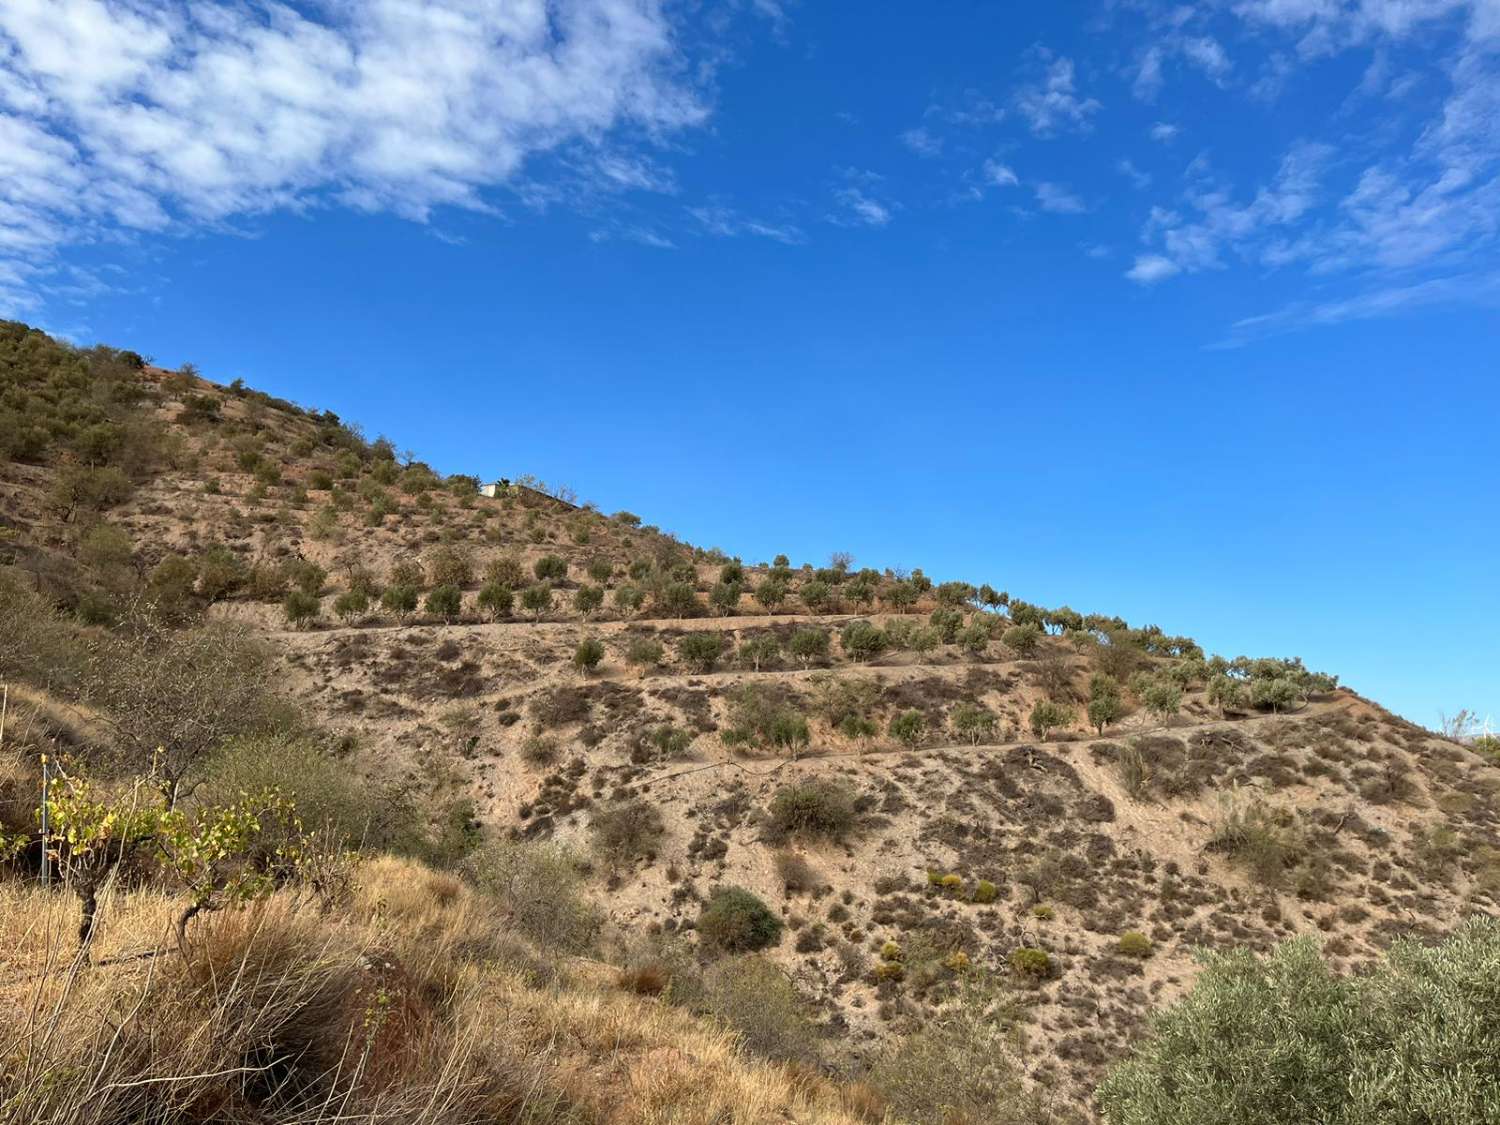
(931, 783)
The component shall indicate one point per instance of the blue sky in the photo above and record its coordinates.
(1186, 312)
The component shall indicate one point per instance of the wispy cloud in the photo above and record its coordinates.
(1052, 103)
(128, 116)
(996, 174)
(1059, 199)
(1140, 179)
(1164, 132)
(725, 222)
(923, 142)
(1204, 53)
(1472, 288)
(859, 201)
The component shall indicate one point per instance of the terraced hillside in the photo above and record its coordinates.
(928, 782)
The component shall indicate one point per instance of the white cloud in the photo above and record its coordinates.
(1151, 268)
(1052, 103)
(997, 174)
(1059, 199)
(922, 142)
(1461, 289)
(1164, 132)
(860, 209)
(728, 223)
(115, 113)
(1203, 52)
(1140, 179)
(1221, 224)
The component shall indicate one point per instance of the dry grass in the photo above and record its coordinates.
(386, 1012)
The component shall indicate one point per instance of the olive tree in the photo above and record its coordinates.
(1267, 1040)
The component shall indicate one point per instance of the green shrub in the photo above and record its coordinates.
(1034, 963)
(445, 602)
(808, 645)
(1133, 943)
(646, 652)
(400, 601)
(588, 654)
(909, 727)
(1022, 639)
(549, 568)
(861, 640)
(1043, 913)
(972, 723)
(1047, 716)
(1282, 1038)
(300, 608)
(588, 599)
(701, 651)
(351, 605)
(537, 599)
(818, 808)
(736, 921)
(494, 600)
(985, 892)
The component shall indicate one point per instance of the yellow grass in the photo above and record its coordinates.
(405, 1005)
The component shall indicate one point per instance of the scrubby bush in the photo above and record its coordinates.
(537, 599)
(1022, 639)
(861, 640)
(588, 654)
(1033, 963)
(1281, 1038)
(808, 645)
(736, 921)
(760, 651)
(495, 600)
(771, 594)
(645, 652)
(1133, 943)
(813, 809)
(549, 568)
(505, 570)
(909, 726)
(725, 596)
(985, 892)
(1161, 697)
(816, 595)
(1228, 694)
(627, 831)
(1047, 716)
(959, 1065)
(759, 1002)
(701, 651)
(300, 608)
(400, 601)
(450, 566)
(445, 602)
(677, 599)
(1105, 704)
(351, 605)
(539, 888)
(972, 723)
(588, 599)
(761, 716)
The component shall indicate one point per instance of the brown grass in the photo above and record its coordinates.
(388, 1012)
